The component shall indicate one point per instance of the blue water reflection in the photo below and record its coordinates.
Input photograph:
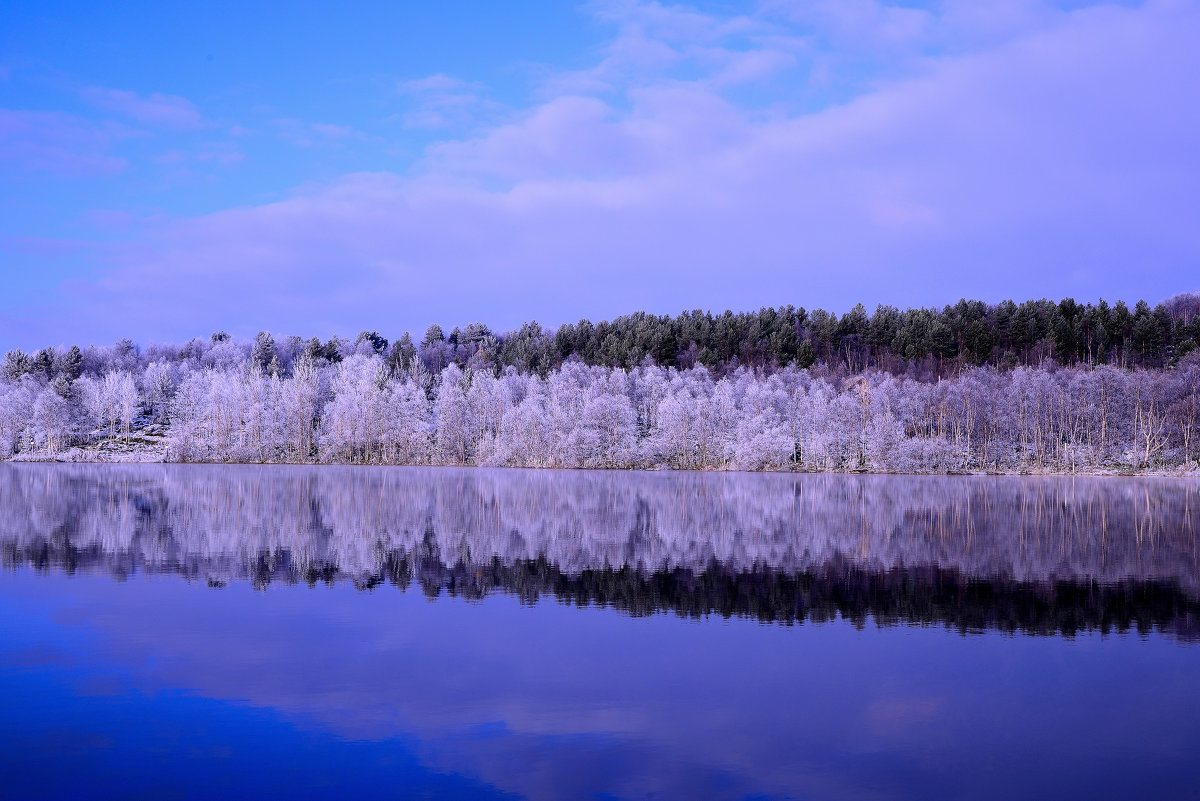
(376, 681)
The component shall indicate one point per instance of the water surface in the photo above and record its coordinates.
(185, 631)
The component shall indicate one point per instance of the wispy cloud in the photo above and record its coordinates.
(440, 102)
(58, 143)
(439, 82)
(155, 110)
(311, 134)
(44, 247)
(222, 153)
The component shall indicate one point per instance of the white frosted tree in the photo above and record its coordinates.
(16, 408)
(453, 425)
(126, 399)
(527, 435)
(352, 422)
(606, 434)
(762, 440)
(407, 424)
(300, 402)
(51, 420)
(224, 400)
(158, 387)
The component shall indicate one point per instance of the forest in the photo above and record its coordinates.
(1039, 386)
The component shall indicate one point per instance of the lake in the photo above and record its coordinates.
(191, 631)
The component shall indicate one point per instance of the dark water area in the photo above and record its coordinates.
(324, 632)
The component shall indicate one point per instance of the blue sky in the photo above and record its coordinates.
(168, 170)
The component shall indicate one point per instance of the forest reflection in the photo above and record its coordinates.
(1019, 554)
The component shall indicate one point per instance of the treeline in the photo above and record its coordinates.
(358, 411)
(355, 412)
(926, 343)
(601, 396)
(930, 342)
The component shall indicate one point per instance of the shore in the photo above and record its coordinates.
(151, 449)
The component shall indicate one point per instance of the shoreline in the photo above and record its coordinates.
(87, 456)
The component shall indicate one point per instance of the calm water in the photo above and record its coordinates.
(199, 632)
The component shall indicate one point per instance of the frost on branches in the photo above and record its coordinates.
(265, 402)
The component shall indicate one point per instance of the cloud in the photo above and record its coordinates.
(439, 82)
(43, 247)
(998, 172)
(674, 23)
(440, 102)
(860, 23)
(311, 134)
(57, 143)
(156, 110)
(221, 153)
(109, 219)
(752, 65)
(331, 131)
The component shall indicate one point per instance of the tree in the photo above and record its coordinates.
(125, 399)
(805, 355)
(69, 364)
(263, 352)
(1150, 420)
(300, 406)
(401, 355)
(605, 434)
(433, 334)
(159, 388)
(452, 434)
(369, 342)
(52, 420)
(42, 363)
(16, 364)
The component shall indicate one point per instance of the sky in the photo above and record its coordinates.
(168, 170)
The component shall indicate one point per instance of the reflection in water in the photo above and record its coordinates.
(1038, 555)
(302, 693)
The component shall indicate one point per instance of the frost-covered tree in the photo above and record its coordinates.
(51, 420)
(453, 433)
(460, 400)
(605, 435)
(158, 388)
(262, 354)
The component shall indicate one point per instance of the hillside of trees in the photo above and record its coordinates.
(1038, 386)
(926, 342)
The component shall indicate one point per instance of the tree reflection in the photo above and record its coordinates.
(1031, 555)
